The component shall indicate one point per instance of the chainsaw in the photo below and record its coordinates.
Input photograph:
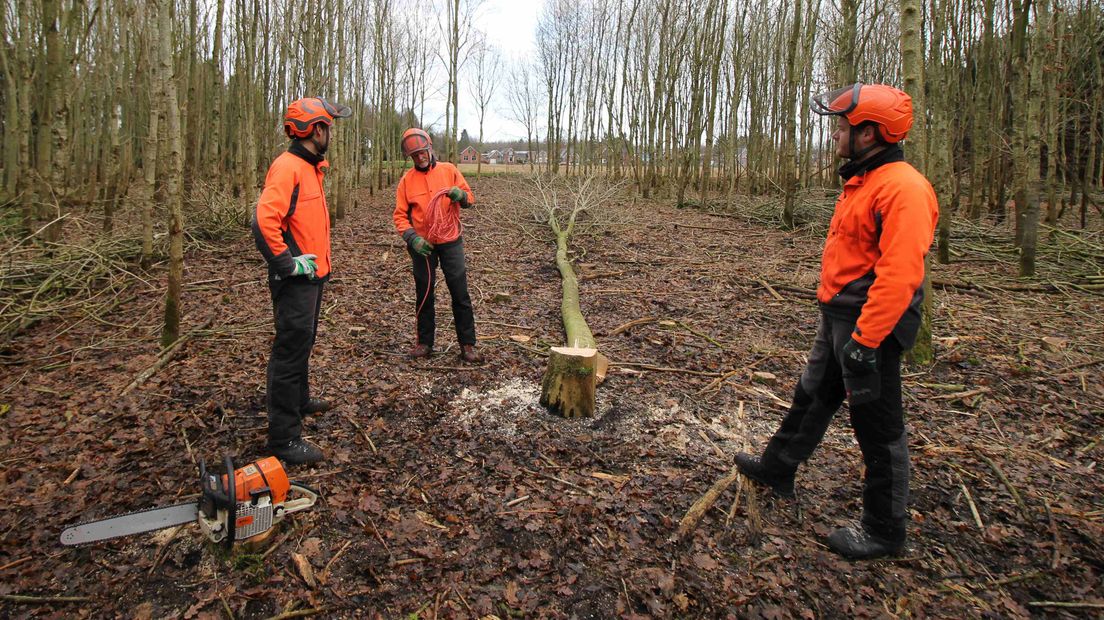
(231, 508)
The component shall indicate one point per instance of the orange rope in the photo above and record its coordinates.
(442, 219)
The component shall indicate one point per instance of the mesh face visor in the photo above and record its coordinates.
(336, 110)
(413, 143)
(837, 102)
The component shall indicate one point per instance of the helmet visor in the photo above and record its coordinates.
(837, 102)
(336, 110)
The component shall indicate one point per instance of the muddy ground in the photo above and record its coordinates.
(450, 492)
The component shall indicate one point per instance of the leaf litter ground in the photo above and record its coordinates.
(450, 492)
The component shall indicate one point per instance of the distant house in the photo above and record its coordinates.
(469, 155)
(507, 156)
(494, 156)
(521, 157)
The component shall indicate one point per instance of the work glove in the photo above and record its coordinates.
(420, 245)
(456, 194)
(303, 265)
(860, 359)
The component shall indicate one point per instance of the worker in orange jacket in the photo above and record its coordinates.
(419, 197)
(291, 226)
(871, 288)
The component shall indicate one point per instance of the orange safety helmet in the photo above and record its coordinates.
(303, 113)
(414, 140)
(887, 107)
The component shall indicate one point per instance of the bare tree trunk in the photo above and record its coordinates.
(55, 165)
(789, 115)
(148, 70)
(912, 70)
(174, 159)
(1026, 106)
(216, 160)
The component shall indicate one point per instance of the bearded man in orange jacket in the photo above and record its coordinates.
(421, 189)
(291, 226)
(871, 288)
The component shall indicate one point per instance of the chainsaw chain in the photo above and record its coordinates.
(125, 514)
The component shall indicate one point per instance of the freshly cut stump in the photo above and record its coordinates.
(569, 382)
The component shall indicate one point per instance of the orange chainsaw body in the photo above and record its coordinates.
(265, 473)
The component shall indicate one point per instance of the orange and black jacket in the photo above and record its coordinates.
(291, 216)
(872, 269)
(417, 187)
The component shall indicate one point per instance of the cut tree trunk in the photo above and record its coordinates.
(570, 380)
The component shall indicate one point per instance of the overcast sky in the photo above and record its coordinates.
(511, 26)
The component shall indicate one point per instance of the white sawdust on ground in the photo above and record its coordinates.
(513, 410)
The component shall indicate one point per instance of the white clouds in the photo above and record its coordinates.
(510, 26)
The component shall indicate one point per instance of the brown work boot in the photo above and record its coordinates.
(420, 350)
(469, 354)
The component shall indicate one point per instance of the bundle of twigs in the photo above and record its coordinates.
(44, 280)
(212, 213)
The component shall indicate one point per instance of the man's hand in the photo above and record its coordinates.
(304, 265)
(860, 359)
(420, 245)
(455, 194)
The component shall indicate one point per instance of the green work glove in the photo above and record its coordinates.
(303, 265)
(456, 194)
(860, 359)
(420, 245)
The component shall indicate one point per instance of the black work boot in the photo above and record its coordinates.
(778, 478)
(297, 452)
(856, 543)
(316, 405)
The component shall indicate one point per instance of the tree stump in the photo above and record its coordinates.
(569, 383)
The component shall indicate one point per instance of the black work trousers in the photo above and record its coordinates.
(296, 303)
(878, 424)
(450, 256)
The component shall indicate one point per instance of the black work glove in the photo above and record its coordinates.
(860, 359)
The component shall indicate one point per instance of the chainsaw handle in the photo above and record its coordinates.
(300, 503)
(232, 507)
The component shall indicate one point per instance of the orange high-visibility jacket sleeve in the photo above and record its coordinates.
(401, 215)
(909, 213)
(280, 189)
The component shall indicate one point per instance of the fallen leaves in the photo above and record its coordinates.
(305, 570)
(485, 506)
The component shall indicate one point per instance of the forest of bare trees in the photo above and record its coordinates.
(133, 119)
(671, 210)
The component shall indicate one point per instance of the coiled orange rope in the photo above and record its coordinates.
(442, 218)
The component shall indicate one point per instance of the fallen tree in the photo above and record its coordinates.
(567, 207)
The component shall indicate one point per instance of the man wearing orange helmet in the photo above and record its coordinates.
(870, 291)
(426, 194)
(291, 226)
